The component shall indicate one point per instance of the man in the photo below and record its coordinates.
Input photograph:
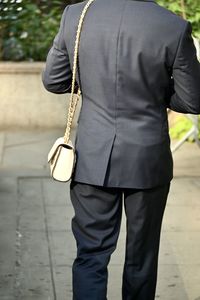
(136, 59)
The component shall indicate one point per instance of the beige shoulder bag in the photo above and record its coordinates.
(62, 156)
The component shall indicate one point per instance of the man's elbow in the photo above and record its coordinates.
(52, 88)
(194, 105)
(196, 110)
(191, 106)
(56, 88)
(45, 82)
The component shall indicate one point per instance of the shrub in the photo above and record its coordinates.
(181, 127)
(28, 28)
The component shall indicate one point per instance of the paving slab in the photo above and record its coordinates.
(6, 281)
(187, 160)
(34, 249)
(55, 193)
(35, 283)
(114, 281)
(59, 217)
(184, 192)
(15, 155)
(63, 248)
(178, 282)
(2, 144)
(182, 219)
(63, 282)
(180, 248)
(31, 208)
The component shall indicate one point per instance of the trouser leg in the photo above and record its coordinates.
(96, 227)
(144, 211)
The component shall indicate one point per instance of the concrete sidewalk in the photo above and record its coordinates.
(37, 247)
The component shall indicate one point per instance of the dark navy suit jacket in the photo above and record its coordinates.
(136, 59)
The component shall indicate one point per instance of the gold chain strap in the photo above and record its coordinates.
(73, 102)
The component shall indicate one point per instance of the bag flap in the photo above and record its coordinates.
(58, 142)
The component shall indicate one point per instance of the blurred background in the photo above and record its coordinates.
(36, 244)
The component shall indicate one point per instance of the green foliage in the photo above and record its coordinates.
(181, 127)
(189, 9)
(28, 28)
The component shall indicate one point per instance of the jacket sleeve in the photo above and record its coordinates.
(57, 74)
(185, 96)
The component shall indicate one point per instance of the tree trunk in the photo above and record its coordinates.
(183, 7)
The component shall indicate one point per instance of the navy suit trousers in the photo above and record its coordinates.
(96, 226)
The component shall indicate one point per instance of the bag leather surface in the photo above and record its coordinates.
(62, 160)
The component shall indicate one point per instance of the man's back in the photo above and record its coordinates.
(128, 52)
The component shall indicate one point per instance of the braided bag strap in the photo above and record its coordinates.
(74, 100)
